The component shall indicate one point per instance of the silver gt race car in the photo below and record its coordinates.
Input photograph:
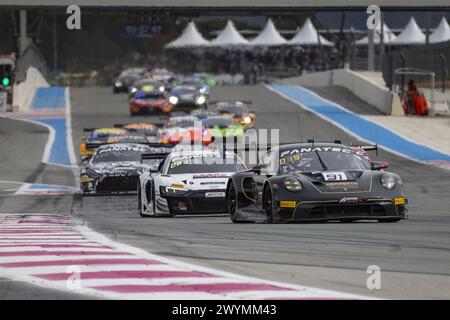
(187, 182)
(115, 168)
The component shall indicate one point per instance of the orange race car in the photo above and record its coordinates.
(185, 128)
(239, 110)
(190, 135)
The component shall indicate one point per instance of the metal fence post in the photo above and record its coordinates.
(444, 70)
(402, 56)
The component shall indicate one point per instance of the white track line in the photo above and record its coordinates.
(69, 139)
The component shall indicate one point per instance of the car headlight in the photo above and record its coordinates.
(170, 191)
(118, 84)
(173, 100)
(161, 89)
(388, 181)
(201, 100)
(247, 120)
(292, 184)
(86, 178)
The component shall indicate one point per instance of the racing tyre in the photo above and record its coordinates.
(268, 205)
(232, 203)
(140, 202)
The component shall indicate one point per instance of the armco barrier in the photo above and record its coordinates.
(364, 88)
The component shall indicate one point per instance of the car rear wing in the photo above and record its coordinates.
(121, 126)
(94, 145)
(236, 100)
(367, 147)
(337, 141)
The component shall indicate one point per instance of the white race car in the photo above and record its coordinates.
(190, 181)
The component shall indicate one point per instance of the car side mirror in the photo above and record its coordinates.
(379, 165)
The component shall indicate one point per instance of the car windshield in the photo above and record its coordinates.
(143, 95)
(160, 72)
(315, 160)
(182, 165)
(118, 155)
(143, 83)
(217, 122)
(185, 123)
(105, 136)
(192, 84)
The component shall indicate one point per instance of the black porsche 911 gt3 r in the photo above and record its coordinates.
(315, 182)
(115, 168)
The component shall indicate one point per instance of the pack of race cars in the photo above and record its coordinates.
(161, 91)
(183, 166)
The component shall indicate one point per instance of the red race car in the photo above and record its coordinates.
(149, 96)
(185, 129)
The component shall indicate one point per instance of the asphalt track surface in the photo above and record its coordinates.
(413, 255)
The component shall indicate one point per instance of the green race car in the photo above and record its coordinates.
(223, 127)
(206, 78)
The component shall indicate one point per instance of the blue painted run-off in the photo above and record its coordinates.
(54, 98)
(48, 98)
(356, 124)
(58, 153)
(47, 187)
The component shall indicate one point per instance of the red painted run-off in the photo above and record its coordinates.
(58, 245)
(28, 231)
(78, 262)
(43, 247)
(128, 274)
(210, 287)
(62, 253)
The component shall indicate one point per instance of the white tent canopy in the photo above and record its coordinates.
(388, 36)
(189, 38)
(410, 35)
(441, 33)
(309, 36)
(229, 37)
(269, 36)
